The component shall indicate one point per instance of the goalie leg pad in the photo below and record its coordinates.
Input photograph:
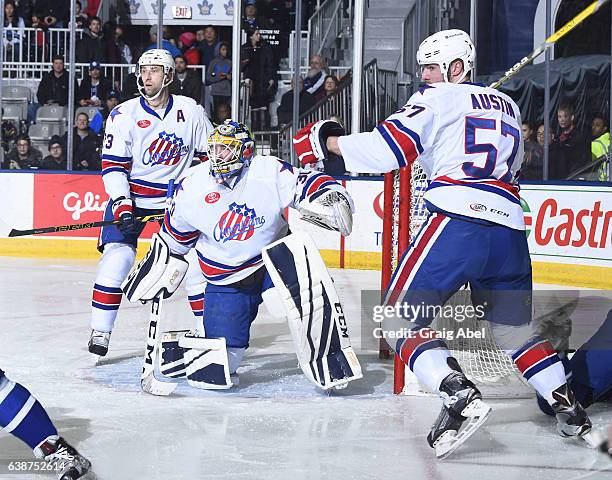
(172, 358)
(160, 271)
(206, 363)
(315, 315)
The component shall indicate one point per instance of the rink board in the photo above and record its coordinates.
(569, 232)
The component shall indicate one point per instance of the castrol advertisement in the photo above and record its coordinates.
(569, 224)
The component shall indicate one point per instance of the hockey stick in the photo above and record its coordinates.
(148, 382)
(550, 41)
(80, 226)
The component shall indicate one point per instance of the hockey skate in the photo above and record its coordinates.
(69, 464)
(98, 342)
(461, 401)
(572, 419)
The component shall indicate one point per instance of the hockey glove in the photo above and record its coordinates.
(310, 142)
(123, 210)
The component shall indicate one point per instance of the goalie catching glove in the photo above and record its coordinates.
(329, 209)
(310, 143)
(159, 272)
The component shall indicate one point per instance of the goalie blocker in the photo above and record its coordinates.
(304, 292)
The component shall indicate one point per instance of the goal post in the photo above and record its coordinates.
(481, 359)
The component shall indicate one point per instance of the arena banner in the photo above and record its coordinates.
(568, 225)
(198, 12)
(64, 199)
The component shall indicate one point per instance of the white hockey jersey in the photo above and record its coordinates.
(143, 149)
(468, 140)
(229, 227)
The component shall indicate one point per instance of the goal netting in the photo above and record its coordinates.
(481, 359)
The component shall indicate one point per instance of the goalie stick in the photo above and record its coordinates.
(148, 382)
(550, 41)
(79, 226)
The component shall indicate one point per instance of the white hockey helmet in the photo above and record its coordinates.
(443, 47)
(160, 57)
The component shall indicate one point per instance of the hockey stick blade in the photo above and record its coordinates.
(550, 41)
(152, 385)
(79, 226)
(148, 382)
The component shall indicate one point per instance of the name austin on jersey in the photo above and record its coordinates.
(238, 223)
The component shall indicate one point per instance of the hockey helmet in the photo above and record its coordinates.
(443, 47)
(230, 148)
(159, 57)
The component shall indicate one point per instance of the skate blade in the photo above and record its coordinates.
(591, 438)
(476, 413)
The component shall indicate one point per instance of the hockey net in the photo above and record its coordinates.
(480, 358)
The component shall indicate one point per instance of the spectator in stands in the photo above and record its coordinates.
(222, 112)
(600, 146)
(208, 46)
(91, 46)
(258, 66)
(557, 169)
(84, 145)
(189, 49)
(56, 160)
(313, 83)
(251, 20)
(186, 82)
(574, 145)
(166, 43)
(94, 88)
(53, 88)
(124, 49)
(39, 48)
(531, 169)
(600, 133)
(13, 33)
(285, 109)
(219, 76)
(23, 155)
(117, 51)
(112, 100)
(330, 85)
(25, 8)
(81, 17)
(55, 12)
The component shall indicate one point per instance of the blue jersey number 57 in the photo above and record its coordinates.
(471, 147)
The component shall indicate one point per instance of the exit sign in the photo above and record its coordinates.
(181, 12)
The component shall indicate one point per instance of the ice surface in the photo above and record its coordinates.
(275, 425)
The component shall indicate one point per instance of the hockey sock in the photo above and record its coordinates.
(22, 415)
(541, 366)
(112, 270)
(426, 355)
(196, 302)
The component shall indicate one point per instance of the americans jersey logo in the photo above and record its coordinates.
(238, 223)
(166, 149)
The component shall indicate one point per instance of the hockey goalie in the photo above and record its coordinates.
(231, 210)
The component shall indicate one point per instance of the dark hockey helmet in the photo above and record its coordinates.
(230, 148)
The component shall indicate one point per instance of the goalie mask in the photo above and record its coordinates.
(446, 46)
(230, 148)
(155, 57)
